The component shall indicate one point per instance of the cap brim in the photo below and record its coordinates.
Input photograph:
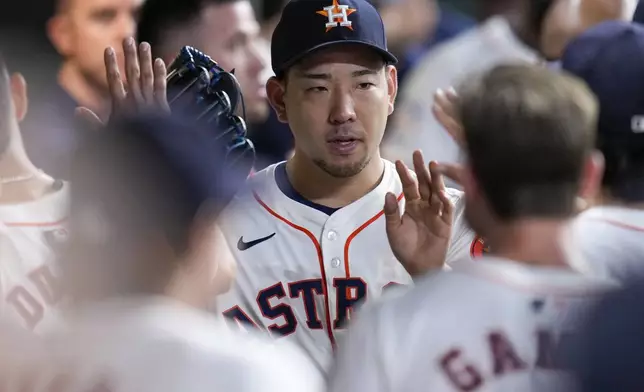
(386, 55)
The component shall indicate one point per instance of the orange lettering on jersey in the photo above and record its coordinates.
(478, 247)
(504, 356)
(26, 305)
(47, 284)
(465, 377)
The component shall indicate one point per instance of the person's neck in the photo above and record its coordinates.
(318, 186)
(537, 242)
(20, 180)
(83, 91)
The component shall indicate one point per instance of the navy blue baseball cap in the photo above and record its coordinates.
(309, 25)
(610, 59)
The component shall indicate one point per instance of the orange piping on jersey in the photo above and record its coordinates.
(355, 234)
(318, 248)
(35, 224)
(621, 224)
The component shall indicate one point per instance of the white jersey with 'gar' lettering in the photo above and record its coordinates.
(489, 326)
(29, 278)
(302, 272)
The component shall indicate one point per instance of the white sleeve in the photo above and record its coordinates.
(413, 125)
(462, 235)
(360, 363)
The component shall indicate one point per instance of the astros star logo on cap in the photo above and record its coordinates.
(337, 15)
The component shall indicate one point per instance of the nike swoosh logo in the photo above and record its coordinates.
(241, 245)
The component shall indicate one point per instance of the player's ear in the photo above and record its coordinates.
(591, 181)
(391, 73)
(275, 91)
(19, 95)
(58, 32)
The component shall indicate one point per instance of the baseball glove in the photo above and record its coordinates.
(201, 91)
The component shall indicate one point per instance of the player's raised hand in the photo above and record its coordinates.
(420, 237)
(145, 90)
(444, 110)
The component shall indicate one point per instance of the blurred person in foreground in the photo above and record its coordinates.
(529, 31)
(79, 30)
(309, 232)
(607, 354)
(33, 213)
(492, 325)
(610, 59)
(142, 264)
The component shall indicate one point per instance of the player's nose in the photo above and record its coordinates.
(342, 109)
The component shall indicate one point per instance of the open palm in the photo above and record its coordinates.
(420, 237)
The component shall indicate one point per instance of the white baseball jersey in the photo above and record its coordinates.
(154, 344)
(413, 125)
(29, 280)
(611, 240)
(301, 271)
(487, 326)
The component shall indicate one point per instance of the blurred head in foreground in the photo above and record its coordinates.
(145, 198)
(530, 137)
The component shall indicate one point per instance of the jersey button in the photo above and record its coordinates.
(331, 235)
(335, 262)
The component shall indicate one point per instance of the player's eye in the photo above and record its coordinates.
(316, 89)
(105, 15)
(365, 85)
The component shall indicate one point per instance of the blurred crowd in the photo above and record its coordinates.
(480, 162)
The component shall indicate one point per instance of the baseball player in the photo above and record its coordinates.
(494, 325)
(33, 212)
(309, 234)
(142, 266)
(611, 234)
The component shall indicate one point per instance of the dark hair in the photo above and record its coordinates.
(528, 132)
(157, 17)
(147, 177)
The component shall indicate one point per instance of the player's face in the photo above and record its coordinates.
(336, 103)
(229, 33)
(86, 27)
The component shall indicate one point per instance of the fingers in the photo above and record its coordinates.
(444, 110)
(409, 184)
(133, 72)
(160, 87)
(114, 81)
(392, 212)
(437, 187)
(147, 72)
(423, 175)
